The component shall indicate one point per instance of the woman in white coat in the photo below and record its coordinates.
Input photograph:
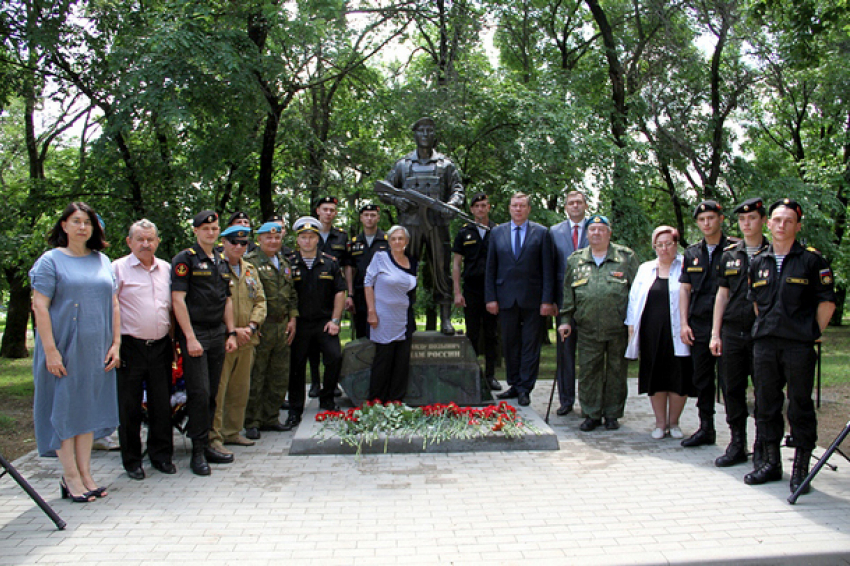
(666, 371)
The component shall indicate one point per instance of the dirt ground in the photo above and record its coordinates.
(17, 439)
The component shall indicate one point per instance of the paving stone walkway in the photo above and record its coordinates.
(603, 498)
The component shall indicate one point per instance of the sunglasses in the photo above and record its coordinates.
(238, 242)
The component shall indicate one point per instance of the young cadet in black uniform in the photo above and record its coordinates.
(470, 248)
(200, 296)
(333, 242)
(321, 296)
(361, 249)
(731, 334)
(696, 307)
(792, 288)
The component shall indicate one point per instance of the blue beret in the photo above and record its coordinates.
(270, 228)
(236, 232)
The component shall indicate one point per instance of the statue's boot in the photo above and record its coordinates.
(446, 320)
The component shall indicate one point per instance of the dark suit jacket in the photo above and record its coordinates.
(562, 239)
(527, 281)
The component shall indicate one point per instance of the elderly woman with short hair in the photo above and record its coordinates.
(653, 320)
(389, 286)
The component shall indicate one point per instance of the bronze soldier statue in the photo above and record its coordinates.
(432, 174)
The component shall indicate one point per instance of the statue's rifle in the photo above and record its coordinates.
(385, 188)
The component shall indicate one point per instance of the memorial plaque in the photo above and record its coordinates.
(442, 369)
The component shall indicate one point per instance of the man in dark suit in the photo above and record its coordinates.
(567, 237)
(519, 287)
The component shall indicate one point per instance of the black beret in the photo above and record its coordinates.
(325, 200)
(238, 215)
(477, 197)
(788, 203)
(204, 217)
(275, 218)
(708, 206)
(754, 204)
(369, 206)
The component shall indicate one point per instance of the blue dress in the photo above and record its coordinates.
(85, 400)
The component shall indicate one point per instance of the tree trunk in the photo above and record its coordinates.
(14, 344)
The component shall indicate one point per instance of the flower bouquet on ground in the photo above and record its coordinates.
(432, 423)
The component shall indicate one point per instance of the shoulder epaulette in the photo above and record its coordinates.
(730, 247)
(813, 250)
(385, 236)
(191, 251)
(353, 239)
(764, 249)
(328, 256)
(696, 245)
(338, 229)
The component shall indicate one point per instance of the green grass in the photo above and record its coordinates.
(16, 378)
(835, 355)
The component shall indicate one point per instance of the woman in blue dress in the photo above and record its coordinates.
(76, 348)
(389, 288)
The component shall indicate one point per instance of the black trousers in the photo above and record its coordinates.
(311, 339)
(390, 369)
(202, 375)
(565, 370)
(479, 321)
(736, 367)
(521, 346)
(777, 362)
(145, 363)
(361, 326)
(705, 378)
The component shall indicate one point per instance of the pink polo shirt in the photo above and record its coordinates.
(144, 296)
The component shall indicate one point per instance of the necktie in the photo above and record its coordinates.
(517, 242)
(575, 236)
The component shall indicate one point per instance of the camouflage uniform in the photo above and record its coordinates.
(270, 376)
(597, 298)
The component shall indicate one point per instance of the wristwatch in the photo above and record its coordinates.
(253, 328)
(335, 321)
(231, 333)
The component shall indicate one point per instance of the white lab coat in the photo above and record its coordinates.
(644, 279)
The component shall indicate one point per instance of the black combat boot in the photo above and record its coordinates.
(198, 463)
(736, 452)
(771, 470)
(802, 457)
(758, 453)
(705, 435)
(446, 320)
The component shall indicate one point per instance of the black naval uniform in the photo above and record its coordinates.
(206, 295)
(359, 255)
(317, 289)
(335, 246)
(784, 334)
(736, 362)
(473, 247)
(702, 274)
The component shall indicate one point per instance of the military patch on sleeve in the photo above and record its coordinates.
(826, 276)
(181, 269)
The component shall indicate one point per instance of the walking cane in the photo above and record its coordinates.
(555, 378)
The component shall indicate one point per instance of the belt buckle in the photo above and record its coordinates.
(150, 343)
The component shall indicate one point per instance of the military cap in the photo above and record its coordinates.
(275, 218)
(306, 223)
(325, 200)
(477, 197)
(788, 203)
(238, 215)
(597, 219)
(369, 206)
(236, 232)
(422, 122)
(708, 206)
(270, 228)
(754, 204)
(204, 217)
